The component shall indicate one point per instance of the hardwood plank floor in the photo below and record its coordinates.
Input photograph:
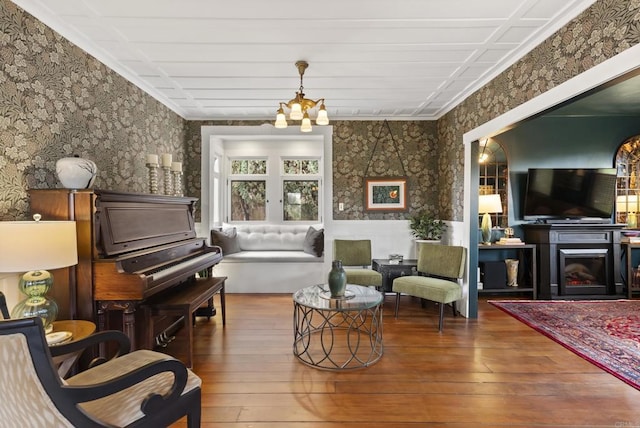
(493, 371)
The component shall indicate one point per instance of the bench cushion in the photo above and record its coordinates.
(271, 256)
(271, 237)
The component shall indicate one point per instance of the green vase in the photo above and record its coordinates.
(337, 279)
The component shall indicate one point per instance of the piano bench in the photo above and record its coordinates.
(184, 302)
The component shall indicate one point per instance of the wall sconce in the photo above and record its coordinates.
(32, 247)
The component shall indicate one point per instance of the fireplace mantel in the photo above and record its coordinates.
(562, 244)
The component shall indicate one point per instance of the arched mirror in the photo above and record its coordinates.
(494, 174)
(628, 187)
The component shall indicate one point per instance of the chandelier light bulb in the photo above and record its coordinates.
(296, 111)
(323, 118)
(306, 123)
(281, 120)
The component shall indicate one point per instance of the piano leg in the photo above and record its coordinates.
(119, 315)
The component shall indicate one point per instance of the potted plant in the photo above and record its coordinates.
(426, 227)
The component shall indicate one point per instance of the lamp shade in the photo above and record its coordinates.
(37, 245)
(489, 204)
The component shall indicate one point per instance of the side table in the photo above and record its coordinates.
(79, 329)
(391, 271)
(337, 333)
(527, 270)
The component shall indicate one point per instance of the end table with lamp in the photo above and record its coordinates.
(33, 247)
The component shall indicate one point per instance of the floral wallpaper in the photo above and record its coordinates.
(56, 101)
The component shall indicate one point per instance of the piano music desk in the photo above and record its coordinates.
(184, 302)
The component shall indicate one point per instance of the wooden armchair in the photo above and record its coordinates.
(142, 388)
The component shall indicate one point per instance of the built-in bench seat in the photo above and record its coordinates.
(270, 258)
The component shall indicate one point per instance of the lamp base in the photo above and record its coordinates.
(35, 284)
(486, 229)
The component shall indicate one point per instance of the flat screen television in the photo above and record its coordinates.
(570, 194)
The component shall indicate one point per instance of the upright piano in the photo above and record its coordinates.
(131, 248)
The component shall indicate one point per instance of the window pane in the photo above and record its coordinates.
(300, 166)
(248, 201)
(310, 166)
(300, 200)
(249, 166)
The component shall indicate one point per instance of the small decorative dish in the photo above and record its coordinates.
(58, 337)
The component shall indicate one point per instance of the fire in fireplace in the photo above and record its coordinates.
(585, 271)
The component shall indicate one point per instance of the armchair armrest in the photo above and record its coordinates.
(152, 403)
(101, 337)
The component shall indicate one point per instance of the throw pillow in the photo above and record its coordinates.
(314, 242)
(226, 239)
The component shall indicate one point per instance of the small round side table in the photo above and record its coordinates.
(79, 329)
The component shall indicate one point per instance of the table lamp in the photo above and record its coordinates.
(488, 204)
(34, 246)
(628, 204)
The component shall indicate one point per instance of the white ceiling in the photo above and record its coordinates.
(370, 59)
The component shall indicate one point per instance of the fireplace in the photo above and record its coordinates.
(583, 271)
(577, 261)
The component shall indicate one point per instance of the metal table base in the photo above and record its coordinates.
(338, 334)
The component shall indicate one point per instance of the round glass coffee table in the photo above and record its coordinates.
(337, 333)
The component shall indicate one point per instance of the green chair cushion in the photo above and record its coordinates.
(434, 289)
(365, 277)
(442, 260)
(352, 252)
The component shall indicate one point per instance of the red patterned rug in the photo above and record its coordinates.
(605, 333)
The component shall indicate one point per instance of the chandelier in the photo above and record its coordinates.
(300, 105)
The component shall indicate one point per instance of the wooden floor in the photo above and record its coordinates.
(493, 371)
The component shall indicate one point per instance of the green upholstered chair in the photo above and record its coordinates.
(355, 255)
(440, 268)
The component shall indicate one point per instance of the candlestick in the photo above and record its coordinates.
(177, 182)
(153, 177)
(168, 182)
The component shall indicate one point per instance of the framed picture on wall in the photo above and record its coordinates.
(385, 194)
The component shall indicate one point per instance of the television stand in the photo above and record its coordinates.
(577, 260)
(578, 220)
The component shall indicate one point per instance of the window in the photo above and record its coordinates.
(248, 190)
(494, 173)
(301, 185)
(215, 175)
(628, 187)
(296, 189)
